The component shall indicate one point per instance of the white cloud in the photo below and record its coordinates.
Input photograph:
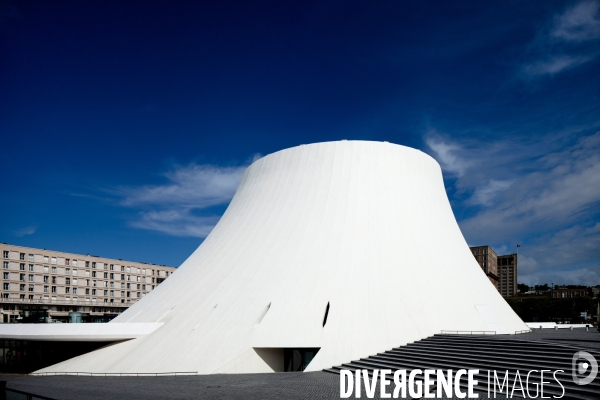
(447, 154)
(561, 46)
(485, 194)
(554, 65)
(30, 230)
(176, 223)
(541, 192)
(578, 23)
(549, 198)
(197, 186)
(177, 207)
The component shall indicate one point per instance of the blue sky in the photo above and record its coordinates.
(125, 126)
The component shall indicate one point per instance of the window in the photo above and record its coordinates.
(74, 281)
(6, 285)
(67, 290)
(138, 294)
(22, 296)
(582, 293)
(112, 276)
(143, 287)
(22, 266)
(67, 281)
(46, 279)
(112, 292)
(87, 264)
(45, 259)
(5, 254)
(22, 256)
(122, 294)
(105, 284)
(143, 271)
(22, 277)
(53, 289)
(74, 290)
(74, 263)
(138, 286)
(87, 282)
(74, 272)
(30, 257)
(106, 275)
(53, 260)
(129, 286)
(112, 267)
(87, 273)
(128, 269)
(5, 264)
(30, 267)
(94, 292)
(93, 283)
(138, 270)
(122, 268)
(22, 287)
(30, 277)
(67, 271)
(122, 276)
(106, 292)
(87, 291)
(93, 264)
(128, 294)
(54, 280)
(128, 277)
(45, 269)
(67, 261)
(93, 274)
(105, 266)
(112, 284)
(122, 285)
(53, 270)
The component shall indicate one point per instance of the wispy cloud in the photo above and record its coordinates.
(448, 154)
(551, 203)
(30, 230)
(179, 206)
(563, 43)
(578, 23)
(554, 65)
(486, 193)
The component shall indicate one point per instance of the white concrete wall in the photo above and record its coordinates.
(363, 226)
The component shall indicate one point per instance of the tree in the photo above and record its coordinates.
(522, 288)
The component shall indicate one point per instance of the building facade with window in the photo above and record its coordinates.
(47, 285)
(502, 271)
(488, 261)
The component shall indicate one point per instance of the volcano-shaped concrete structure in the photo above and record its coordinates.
(348, 247)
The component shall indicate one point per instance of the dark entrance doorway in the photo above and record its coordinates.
(298, 359)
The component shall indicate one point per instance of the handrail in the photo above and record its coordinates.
(468, 332)
(115, 373)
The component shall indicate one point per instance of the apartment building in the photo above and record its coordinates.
(507, 270)
(500, 270)
(488, 261)
(42, 285)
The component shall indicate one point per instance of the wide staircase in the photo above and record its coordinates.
(488, 353)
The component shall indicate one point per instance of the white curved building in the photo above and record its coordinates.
(349, 247)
